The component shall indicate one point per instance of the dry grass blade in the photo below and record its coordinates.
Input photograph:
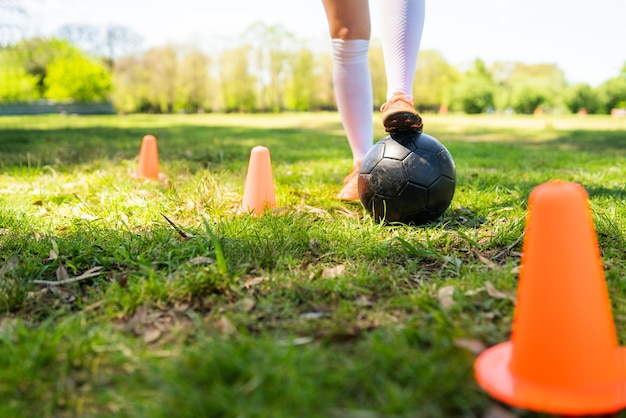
(182, 233)
(65, 279)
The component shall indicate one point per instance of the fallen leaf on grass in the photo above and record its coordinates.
(363, 301)
(446, 297)
(498, 294)
(62, 273)
(201, 260)
(10, 265)
(7, 327)
(312, 315)
(473, 346)
(492, 291)
(496, 411)
(224, 326)
(332, 272)
(489, 263)
(247, 304)
(151, 335)
(254, 281)
(63, 294)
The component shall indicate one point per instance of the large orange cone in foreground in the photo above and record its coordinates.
(259, 192)
(148, 159)
(563, 356)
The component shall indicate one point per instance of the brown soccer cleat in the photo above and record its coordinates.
(399, 115)
(350, 191)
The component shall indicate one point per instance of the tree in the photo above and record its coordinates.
(581, 96)
(527, 98)
(472, 95)
(160, 66)
(86, 37)
(36, 54)
(475, 92)
(270, 47)
(612, 94)
(521, 86)
(119, 41)
(193, 82)
(237, 83)
(302, 83)
(15, 83)
(77, 77)
(129, 84)
(434, 78)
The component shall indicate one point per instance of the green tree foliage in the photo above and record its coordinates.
(268, 69)
(527, 98)
(129, 91)
(59, 70)
(613, 92)
(36, 54)
(160, 70)
(581, 97)
(433, 80)
(193, 93)
(238, 84)
(270, 49)
(15, 84)
(77, 77)
(524, 87)
(302, 85)
(474, 93)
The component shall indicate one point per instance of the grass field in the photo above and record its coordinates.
(312, 310)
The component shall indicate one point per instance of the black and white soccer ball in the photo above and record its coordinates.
(408, 178)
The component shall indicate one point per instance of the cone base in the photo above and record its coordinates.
(493, 375)
(135, 175)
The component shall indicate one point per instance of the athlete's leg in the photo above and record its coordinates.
(402, 24)
(350, 28)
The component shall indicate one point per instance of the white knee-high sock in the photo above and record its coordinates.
(353, 92)
(401, 26)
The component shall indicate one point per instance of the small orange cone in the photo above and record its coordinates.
(148, 159)
(259, 192)
(563, 356)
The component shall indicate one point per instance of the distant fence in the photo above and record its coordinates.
(41, 108)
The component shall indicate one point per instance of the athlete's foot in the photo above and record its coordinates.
(399, 115)
(350, 191)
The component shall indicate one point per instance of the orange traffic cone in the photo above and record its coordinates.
(563, 356)
(259, 192)
(148, 160)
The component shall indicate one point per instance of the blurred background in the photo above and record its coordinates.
(190, 56)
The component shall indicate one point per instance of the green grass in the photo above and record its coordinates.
(312, 310)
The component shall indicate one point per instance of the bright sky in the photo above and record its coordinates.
(585, 38)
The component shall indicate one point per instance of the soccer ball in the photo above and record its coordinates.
(408, 178)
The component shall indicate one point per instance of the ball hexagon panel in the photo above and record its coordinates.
(374, 155)
(396, 151)
(413, 198)
(387, 178)
(440, 194)
(422, 168)
(446, 164)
